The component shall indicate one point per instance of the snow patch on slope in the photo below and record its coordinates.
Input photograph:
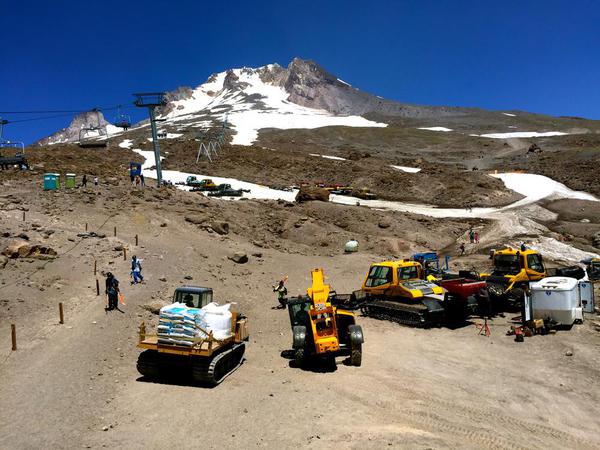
(407, 169)
(444, 129)
(522, 134)
(127, 143)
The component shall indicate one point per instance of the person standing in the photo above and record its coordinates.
(281, 293)
(95, 181)
(471, 236)
(84, 181)
(136, 270)
(476, 237)
(462, 248)
(112, 292)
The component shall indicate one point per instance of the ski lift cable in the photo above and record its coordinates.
(65, 113)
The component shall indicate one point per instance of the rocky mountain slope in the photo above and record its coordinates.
(71, 133)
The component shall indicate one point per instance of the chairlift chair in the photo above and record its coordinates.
(4, 143)
(122, 120)
(93, 136)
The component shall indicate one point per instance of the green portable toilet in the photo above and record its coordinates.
(51, 181)
(70, 180)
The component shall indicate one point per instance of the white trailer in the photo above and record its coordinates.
(561, 299)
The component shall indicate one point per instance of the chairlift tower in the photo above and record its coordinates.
(152, 100)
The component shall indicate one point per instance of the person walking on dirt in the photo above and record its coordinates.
(84, 181)
(471, 236)
(476, 237)
(281, 292)
(136, 270)
(95, 181)
(462, 248)
(112, 292)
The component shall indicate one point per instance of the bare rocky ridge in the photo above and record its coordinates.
(312, 86)
(71, 133)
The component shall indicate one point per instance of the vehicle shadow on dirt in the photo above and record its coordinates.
(316, 365)
(183, 378)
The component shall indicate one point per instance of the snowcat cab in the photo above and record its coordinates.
(513, 270)
(193, 296)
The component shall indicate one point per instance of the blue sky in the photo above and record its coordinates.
(539, 56)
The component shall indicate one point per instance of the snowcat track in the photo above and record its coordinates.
(147, 364)
(212, 371)
(410, 315)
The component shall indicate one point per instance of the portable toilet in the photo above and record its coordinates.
(70, 180)
(51, 181)
(561, 299)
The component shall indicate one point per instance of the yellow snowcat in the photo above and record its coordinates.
(513, 270)
(593, 269)
(206, 359)
(320, 329)
(398, 291)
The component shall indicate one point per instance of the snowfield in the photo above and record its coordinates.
(407, 169)
(444, 129)
(521, 134)
(237, 105)
(335, 158)
(509, 221)
(127, 143)
(510, 115)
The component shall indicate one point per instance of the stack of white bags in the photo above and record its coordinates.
(179, 324)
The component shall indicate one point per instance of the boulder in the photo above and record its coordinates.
(3, 261)
(17, 248)
(312, 193)
(220, 227)
(196, 219)
(384, 223)
(239, 257)
(22, 249)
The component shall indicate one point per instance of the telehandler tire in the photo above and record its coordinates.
(299, 357)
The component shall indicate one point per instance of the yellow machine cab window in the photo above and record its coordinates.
(379, 275)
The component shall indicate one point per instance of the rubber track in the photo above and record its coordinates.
(410, 315)
(214, 371)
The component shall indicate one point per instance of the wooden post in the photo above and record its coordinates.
(13, 335)
(115, 231)
(124, 253)
(136, 240)
(23, 216)
(97, 287)
(95, 267)
(142, 331)
(86, 226)
(60, 313)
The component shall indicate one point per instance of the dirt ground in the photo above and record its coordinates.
(434, 388)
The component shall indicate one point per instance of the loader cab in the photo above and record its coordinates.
(298, 310)
(193, 296)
